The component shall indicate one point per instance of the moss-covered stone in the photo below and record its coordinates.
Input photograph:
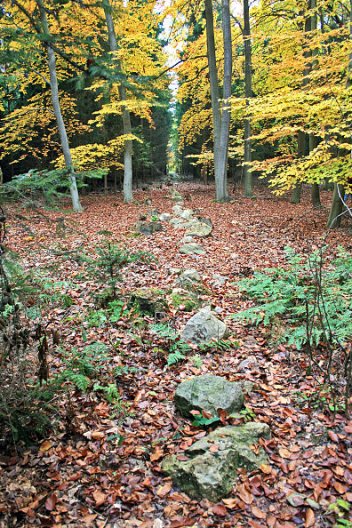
(148, 228)
(203, 476)
(192, 249)
(149, 300)
(208, 393)
(211, 468)
(185, 299)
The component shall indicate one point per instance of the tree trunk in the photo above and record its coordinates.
(302, 148)
(214, 88)
(226, 108)
(126, 117)
(247, 174)
(221, 117)
(313, 140)
(336, 209)
(315, 194)
(296, 194)
(57, 111)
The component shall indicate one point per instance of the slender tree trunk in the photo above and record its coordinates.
(336, 209)
(313, 140)
(221, 117)
(296, 194)
(301, 151)
(57, 111)
(315, 195)
(214, 89)
(226, 108)
(337, 206)
(247, 174)
(126, 117)
(303, 138)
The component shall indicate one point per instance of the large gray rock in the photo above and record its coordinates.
(177, 223)
(199, 228)
(219, 280)
(176, 196)
(148, 228)
(188, 279)
(211, 469)
(208, 393)
(186, 214)
(177, 210)
(192, 249)
(165, 217)
(203, 327)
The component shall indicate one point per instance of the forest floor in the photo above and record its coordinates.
(100, 466)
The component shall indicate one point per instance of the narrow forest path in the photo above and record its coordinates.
(100, 467)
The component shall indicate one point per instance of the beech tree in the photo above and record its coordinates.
(221, 112)
(39, 23)
(247, 173)
(126, 117)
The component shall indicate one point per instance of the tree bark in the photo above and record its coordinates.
(57, 111)
(126, 117)
(337, 206)
(315, 194)
(221, 116)
(226, 108)
(301, 151)
(296, 194)
(336, 209)
(247, 174)
(313, 140)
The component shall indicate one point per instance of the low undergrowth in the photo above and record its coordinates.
(308, 306)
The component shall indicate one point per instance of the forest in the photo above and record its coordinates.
(175, 263)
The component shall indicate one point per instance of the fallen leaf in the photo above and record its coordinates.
(157, 454)
(97, 435)
(50, 502)
(265, 468)
(296, 499)
(258, 513)
(313, 504)
(219, 510)
(310, 518)
(165, 489)
(230, 503)
(244, 494)
(99, 497)
(284, 453)
(333, 436)
(340, 488)
(45, 446)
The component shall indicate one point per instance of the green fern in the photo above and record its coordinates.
(175, 357)
(164, 330)
(296, 295)
(201, 421)
(80, 381)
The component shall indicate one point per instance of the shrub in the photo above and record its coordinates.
(177, 349)
(313, 301)
(22, 415)
(50, 185)
(111, 259)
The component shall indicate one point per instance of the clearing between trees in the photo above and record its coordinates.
(110, 296)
